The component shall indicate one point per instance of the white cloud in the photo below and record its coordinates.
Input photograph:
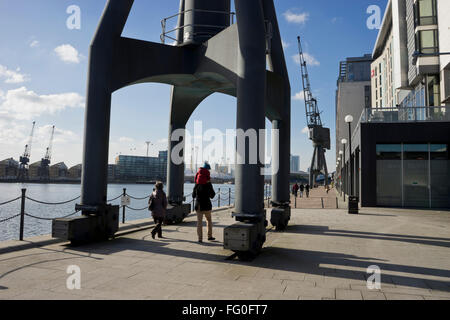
(310, 60)
(299, 18)
(61, 136)
(299, 96)
(34, 44)
(68, 54)
(305, 130)
(126, 139)
(285, 44)
(25, 104)
(11, 76)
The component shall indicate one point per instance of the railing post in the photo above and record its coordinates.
(323, 207)
(295, 201)
(123, 207)
(229, 197)
(22, 214)
(218, 202)
(337, 203)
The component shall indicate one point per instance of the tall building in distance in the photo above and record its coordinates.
(353, 93)
(295, 164)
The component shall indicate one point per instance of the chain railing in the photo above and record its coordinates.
(219, 199)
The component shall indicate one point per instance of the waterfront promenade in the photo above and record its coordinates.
(323, 254)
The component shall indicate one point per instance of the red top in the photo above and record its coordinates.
(203, 176)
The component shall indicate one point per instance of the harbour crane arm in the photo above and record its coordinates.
(312, 110)
(48, 154)
(27, 152)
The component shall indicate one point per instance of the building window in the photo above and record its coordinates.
(434, 91)
(428, 41)
(425, 12)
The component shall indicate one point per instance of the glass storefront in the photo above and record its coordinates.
(413, 175)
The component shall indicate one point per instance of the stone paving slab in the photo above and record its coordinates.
(323, 254)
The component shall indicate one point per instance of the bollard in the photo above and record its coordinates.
(295, 202)
(123, 207)
(323, 207)
(218, 201)
(337, 203)
(229, 197)
(22, 214)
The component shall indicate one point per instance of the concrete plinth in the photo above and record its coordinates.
(99, 225)
(176, 213)
(280, 217)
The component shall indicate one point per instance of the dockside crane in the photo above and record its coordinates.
(25, 158)
(45, 162)
(319, 135)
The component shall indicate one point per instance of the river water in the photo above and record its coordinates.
(9, 230)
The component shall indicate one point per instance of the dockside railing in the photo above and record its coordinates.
(223, 198)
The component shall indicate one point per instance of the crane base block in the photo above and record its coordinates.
(280, 217)
(176, 213)
(88, 228)
(245, 238)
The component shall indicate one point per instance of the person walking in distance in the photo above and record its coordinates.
(302, 189)
(307, 187)
(157, 204)
(295, 189)
(203, 193)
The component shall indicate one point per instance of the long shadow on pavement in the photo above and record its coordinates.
(294, 260)
(323, 230)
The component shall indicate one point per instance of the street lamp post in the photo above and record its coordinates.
(349, 120)
(344, 142)
(352, 200)
(341, 171)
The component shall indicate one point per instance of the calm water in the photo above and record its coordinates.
(59, 193)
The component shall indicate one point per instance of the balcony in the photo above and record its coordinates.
(405, 114)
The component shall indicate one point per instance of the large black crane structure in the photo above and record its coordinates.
(25, 158)
(45, 162)
(319, 135)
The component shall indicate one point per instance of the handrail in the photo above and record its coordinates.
(165, 34)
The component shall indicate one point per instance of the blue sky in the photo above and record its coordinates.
(43, 68)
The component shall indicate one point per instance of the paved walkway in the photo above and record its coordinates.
(323, 254)
(318, 198)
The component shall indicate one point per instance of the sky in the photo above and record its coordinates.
(44, 64)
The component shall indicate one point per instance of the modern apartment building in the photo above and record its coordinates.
(135, 168)
(410, 67)
(400, 152)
